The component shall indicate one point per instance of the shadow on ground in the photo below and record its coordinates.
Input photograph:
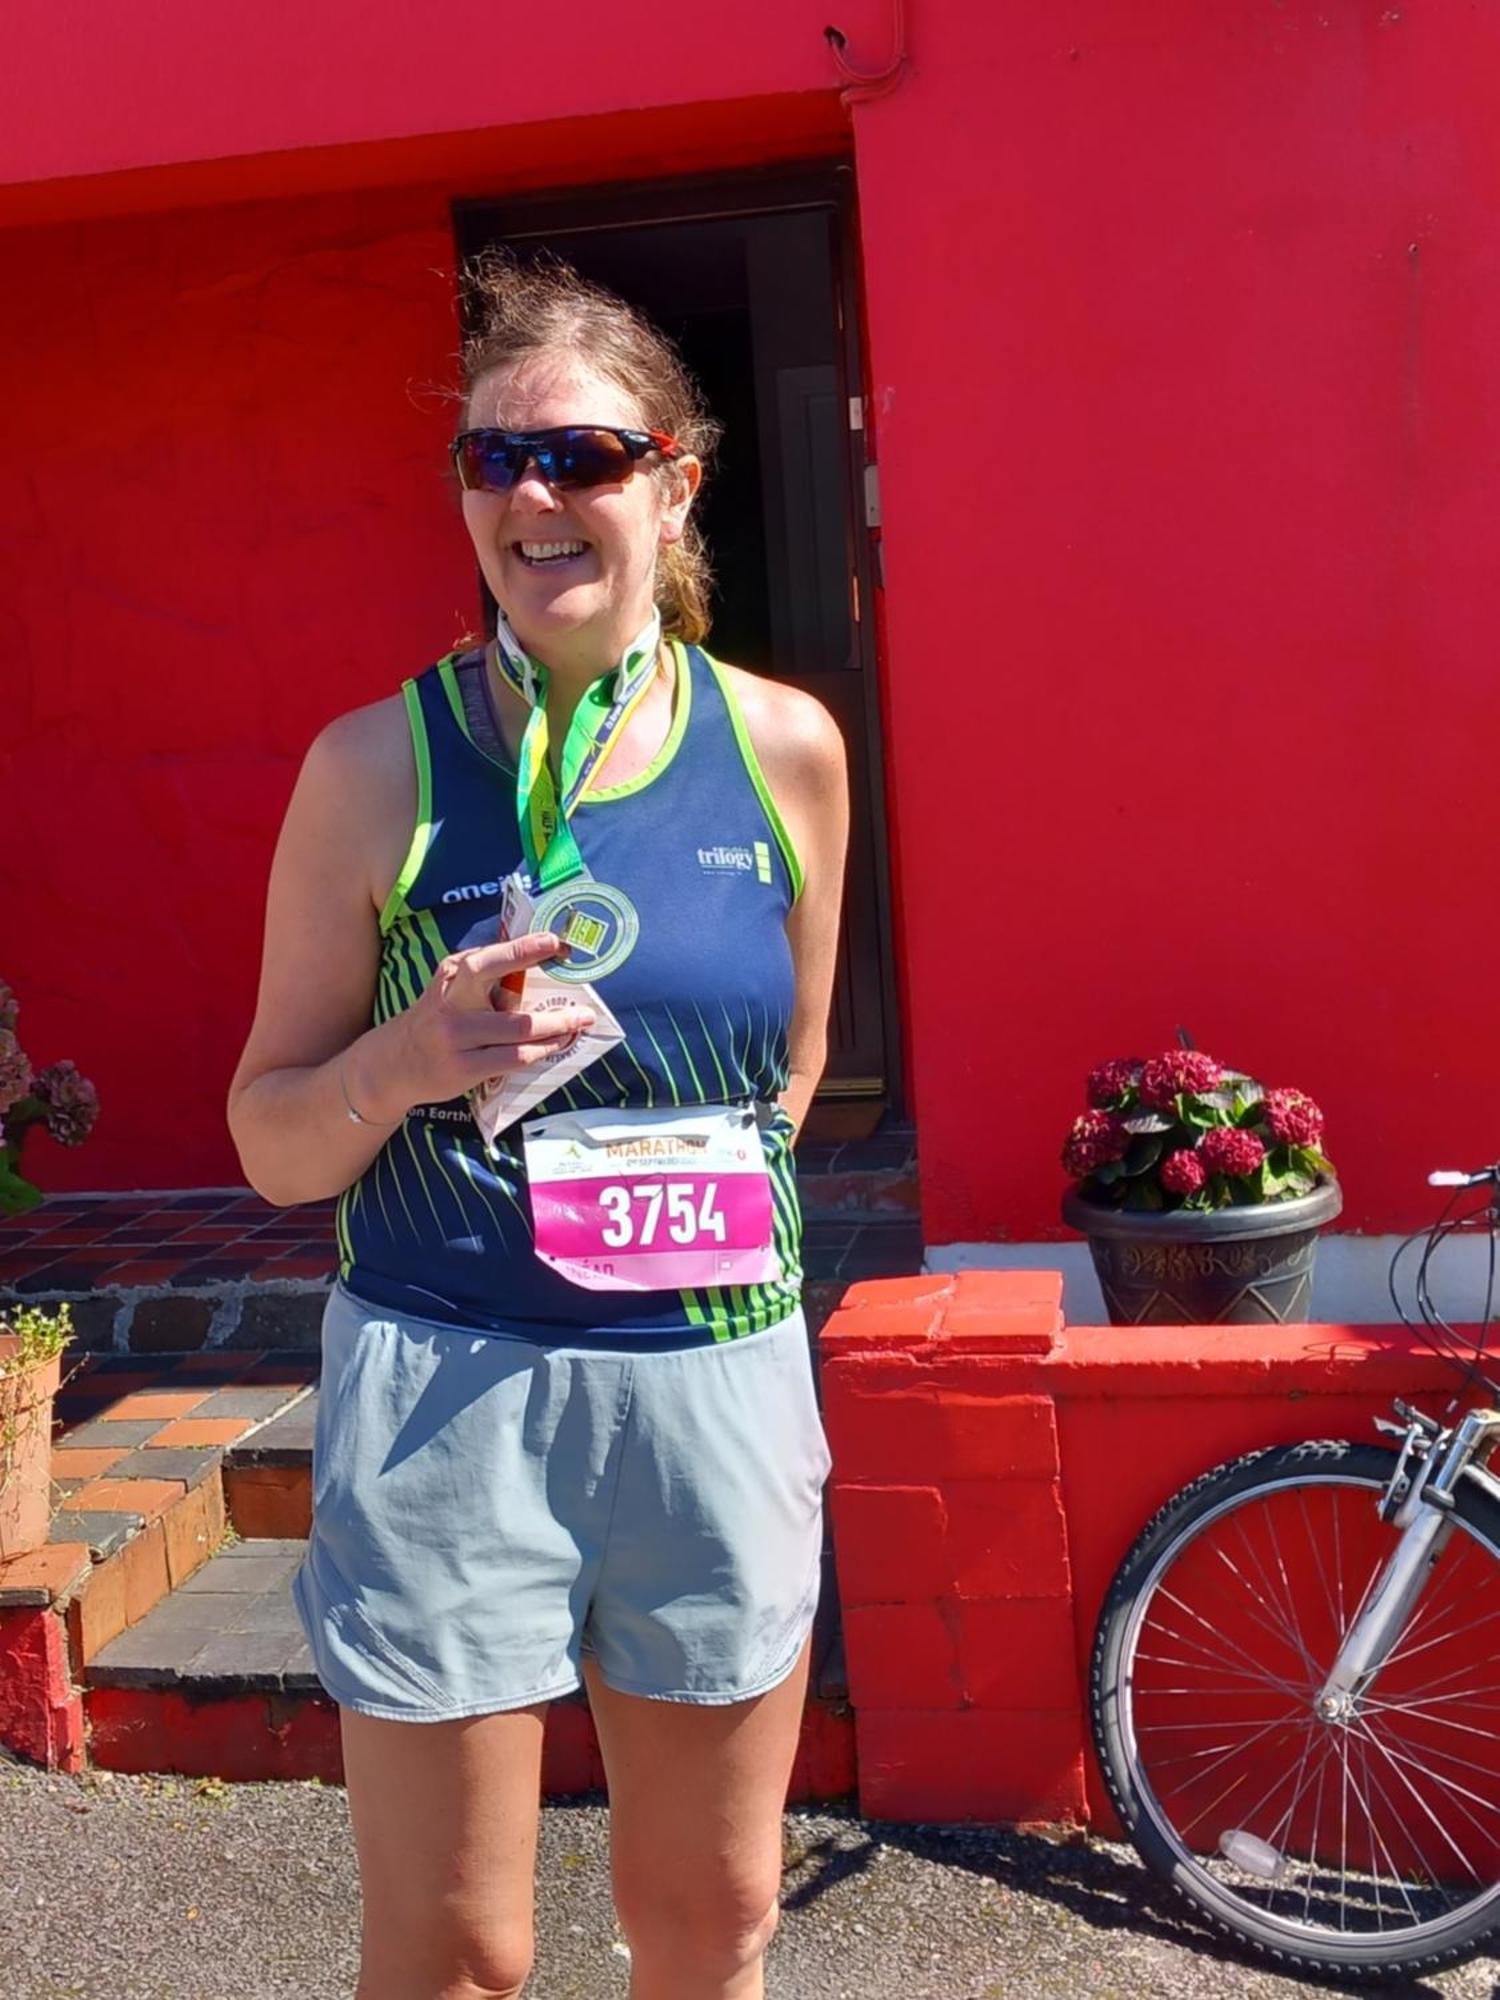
(1103, 1885)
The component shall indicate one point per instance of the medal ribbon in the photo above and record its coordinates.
(606, 706)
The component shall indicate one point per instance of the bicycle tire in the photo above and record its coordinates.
(1187, 1522)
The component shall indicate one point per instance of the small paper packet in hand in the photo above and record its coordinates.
(499, 1102)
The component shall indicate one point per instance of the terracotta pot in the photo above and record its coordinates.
(25, 1452)
(1215, 1267)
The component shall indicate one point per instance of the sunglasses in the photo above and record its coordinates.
(569, 457)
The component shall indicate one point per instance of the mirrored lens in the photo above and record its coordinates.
(492, 461)
(486, 462)
(583, 458)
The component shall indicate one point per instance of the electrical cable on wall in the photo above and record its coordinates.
(863, 85)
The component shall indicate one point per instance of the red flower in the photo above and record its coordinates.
(1097, 1138)
(1293, 1118)
(1110, 1081)
(72, 1102)
(1226, 1150)
(15, 1070)
(1183, 1172)
(1178, 1072)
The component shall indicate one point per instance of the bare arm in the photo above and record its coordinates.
(802, 754)
(312, 1050)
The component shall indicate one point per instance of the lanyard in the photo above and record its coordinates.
(552, 854)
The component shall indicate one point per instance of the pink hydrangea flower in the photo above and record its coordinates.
(1178, 1072)
(15, 1070)
(10, 1006)
(1110, 1081)
(1226, 1150)
(1293, 1118)
(1183, 1172)
(72, 1102)
(1097, 1138)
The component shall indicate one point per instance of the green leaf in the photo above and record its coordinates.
(17, 1195)
(1143, 1155)
(1108, 1173)
(1147, 1121)
(1144, 1194)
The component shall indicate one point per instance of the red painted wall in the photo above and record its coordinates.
(114, 87)
(1189, 704)
(1191, 697)
(992, 1470)
(224, 521)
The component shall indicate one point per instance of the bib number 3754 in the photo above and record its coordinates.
(650, 1201)
(682, 1213)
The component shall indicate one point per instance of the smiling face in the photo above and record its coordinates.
(575, 571)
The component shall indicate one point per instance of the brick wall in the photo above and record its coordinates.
(992, 1468)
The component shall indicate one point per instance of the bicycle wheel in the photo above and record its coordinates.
(1365, 1847)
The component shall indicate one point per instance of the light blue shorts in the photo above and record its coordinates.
(487, 1510)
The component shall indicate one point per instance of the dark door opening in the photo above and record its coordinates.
(751, 279)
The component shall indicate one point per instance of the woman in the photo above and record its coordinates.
(549, 1449)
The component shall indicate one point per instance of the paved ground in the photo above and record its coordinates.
(185, 1889)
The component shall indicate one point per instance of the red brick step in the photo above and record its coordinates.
(218, 1681)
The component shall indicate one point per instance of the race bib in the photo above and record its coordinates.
(645, 1201)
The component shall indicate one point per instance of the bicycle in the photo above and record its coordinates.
(1295, 1687)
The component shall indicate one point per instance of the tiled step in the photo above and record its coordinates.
(268, 1494)
(874, 1178)
(139, 1508)
(268, 1475)
(218, 1681)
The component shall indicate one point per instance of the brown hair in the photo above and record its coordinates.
(515, 310)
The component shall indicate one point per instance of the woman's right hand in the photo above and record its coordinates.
(466, 1027)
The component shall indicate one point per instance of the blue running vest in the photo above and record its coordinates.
(438, 1226)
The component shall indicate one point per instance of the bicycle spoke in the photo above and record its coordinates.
(1420, 1709)
(1464, 1764)
(1234, 1749)
(1401, 1652)
(1341, 1747)
(1222, 1658)
(1317, 1556)
(1221, 1663)
(1396, 1874)
(1395, 1765)
(1277, 1623)
(1369, 1828)
(1317, 1826)
(1398, 1820)
(1281, 1831)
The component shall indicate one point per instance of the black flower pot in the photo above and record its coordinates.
(1216, 1267)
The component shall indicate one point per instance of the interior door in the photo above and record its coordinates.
(751, 278)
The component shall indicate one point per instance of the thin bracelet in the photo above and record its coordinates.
(358, 1117)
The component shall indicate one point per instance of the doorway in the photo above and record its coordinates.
(752, 277)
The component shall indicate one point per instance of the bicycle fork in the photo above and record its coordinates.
(1424, 1515)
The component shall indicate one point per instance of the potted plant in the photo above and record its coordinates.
(31, 1345)
(57, 1097)
(1201, 1192)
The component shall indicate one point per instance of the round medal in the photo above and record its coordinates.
(598, 924)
